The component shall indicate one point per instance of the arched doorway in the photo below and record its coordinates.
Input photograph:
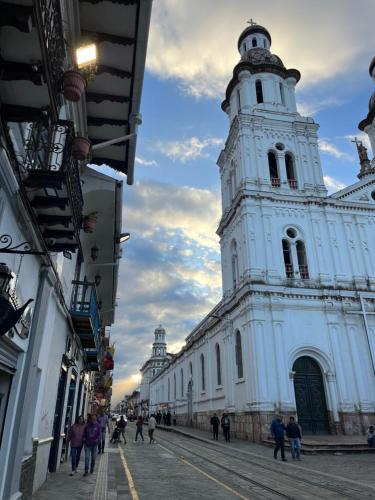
(310, 396)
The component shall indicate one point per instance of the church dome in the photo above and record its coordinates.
(372, 68)
(371, 104)
(251, 30)
(261, 56)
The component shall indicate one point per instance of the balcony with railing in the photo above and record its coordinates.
(304, 272)
(292, 184)
(275, 182)
(50, 178)
(84, 311)
(289, 271)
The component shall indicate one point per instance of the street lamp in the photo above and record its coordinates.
(123, 237)
(86, 55)
(94, 252)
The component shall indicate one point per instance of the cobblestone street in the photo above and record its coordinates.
(182, 467)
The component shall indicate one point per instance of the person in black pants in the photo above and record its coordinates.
(278, 430)
(215, 426)
(225, 424)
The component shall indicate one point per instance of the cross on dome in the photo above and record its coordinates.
(251, 22)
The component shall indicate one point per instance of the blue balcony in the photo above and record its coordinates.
(85, 315)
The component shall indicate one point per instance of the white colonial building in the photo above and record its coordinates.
(152, 366)
(295, 330)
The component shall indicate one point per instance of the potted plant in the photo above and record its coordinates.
(73, 85)
(89, 222)
(80, 148)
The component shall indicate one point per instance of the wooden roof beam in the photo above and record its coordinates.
(98, 97)
(108, 37)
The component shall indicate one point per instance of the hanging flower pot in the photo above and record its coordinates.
(80, 148)
(73, 84)
(89, 222)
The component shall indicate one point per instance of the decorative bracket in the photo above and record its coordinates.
(24, 248)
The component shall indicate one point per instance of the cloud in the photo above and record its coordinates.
(333, 184)
(170, 272)
(313, 107)
(363, 137)
(147, 163)
(330, 149)
(186, 150)
(195, 42)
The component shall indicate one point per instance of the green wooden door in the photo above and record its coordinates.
(310, 396)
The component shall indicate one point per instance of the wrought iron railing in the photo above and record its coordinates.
(292, 184)
(304, 272)
(275, 182)
(289, 271)
(47, 147)
(49, 21)
(85, 303)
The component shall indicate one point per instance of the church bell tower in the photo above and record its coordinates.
(271, 154)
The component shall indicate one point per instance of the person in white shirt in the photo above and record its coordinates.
(151, 428)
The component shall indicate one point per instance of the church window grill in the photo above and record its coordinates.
(302, 261)
(169, 390)
(174, 386)
(239, 355)
(203, 373)
(274, 172)
(290, 173)
(287, 259)
(191, 369)
(218, 364)
(282, 95)
(259, 91)
(235, 273)
(182, 382)
(254, 42)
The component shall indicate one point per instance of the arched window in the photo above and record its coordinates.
(259, 91)
(239, 355)
(254, 42)
(287, 259)
(174, 386)
(282, 95)
(238, 100)
(182, 382)
(274, 172)
(289, 165)
(302, 261)
(203, 373)
(169, 390)
(230, 187)
(235, 273)
(191, 369)
(218, 364)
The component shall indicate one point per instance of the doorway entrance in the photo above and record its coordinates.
(310, 396)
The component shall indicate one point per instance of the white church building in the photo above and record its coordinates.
(295, 330)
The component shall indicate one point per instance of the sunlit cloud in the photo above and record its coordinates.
(195, 42)
(186, 150)
(333, 184)
(147, 163)
(313, 107)
(327, 147)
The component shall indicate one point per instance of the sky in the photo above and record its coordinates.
(170, 272)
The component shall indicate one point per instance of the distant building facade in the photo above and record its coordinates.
(295, 330)
(152, 366)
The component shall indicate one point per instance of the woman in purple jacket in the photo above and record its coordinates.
(91, 438)
(75, 438)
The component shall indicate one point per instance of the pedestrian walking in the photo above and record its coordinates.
(225, 424)
(293, 432)
(91, 438)
(151, 428)
(121, 424)
(75, 438)
(169, 418)
(103, 421)
(371, 436)
(139, 426)
(277, 430)
(215, 422)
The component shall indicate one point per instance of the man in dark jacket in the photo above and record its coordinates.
(215, 422)
(277, 431)
(225, 424)
(293, 432)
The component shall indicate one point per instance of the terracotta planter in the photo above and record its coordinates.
(73, 85)
(80, 148)
(89, 224)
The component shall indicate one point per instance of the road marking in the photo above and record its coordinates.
(132, 489)
(209, 476)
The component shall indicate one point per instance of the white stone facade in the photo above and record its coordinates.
(298, 271)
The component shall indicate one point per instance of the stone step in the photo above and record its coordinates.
(327, 447)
